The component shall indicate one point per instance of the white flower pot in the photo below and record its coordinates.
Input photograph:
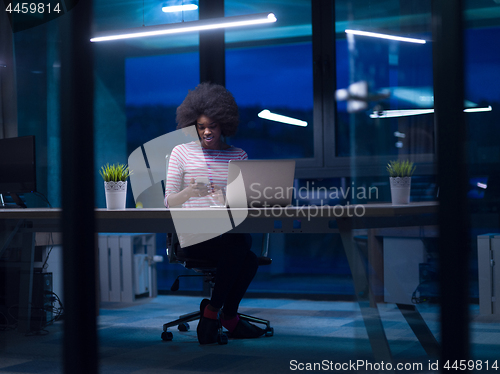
(116, 194)
(400, 190)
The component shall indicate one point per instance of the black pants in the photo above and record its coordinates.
(236, 267)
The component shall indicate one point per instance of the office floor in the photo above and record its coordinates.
(305, 331)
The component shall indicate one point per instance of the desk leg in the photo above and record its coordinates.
(420, 329)
(26, 281)
(371, 316)
(376, 264)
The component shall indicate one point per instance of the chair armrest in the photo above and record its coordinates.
(172, 242)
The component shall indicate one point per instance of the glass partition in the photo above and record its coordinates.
(384, 111)
(29, 106)
(482, 25)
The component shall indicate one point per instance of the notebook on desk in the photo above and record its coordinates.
(266, 183)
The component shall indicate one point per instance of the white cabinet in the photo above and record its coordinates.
(126, 266)
(488, 255)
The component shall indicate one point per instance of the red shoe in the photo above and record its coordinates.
(208, 329)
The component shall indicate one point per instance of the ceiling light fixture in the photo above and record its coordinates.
(176, 28)
(473, 110)
(179, 8)
(415, 112)
(266, 114)
(399, 113)
(385, 36)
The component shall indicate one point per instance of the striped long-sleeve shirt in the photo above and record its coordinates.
(204, 165)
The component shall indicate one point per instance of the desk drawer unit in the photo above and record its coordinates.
(402, 257)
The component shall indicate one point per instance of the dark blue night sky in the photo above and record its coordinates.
(161, 80)
(264, 76)
(482, 65)
(277, 76)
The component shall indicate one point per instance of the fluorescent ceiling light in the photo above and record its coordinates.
(385, 36)
(415, 112)
(400, 113)
(179, 8)
(266, 114)
(473, 110)
(175, 28)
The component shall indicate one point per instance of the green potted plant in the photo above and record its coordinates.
(115, 184)
(400, 172)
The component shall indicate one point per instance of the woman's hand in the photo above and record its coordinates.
(192, 190)
(216, 187)
(199, 189)
(219, 194)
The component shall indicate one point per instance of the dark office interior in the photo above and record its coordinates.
(88, 104)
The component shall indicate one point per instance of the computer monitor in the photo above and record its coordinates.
(17, 168)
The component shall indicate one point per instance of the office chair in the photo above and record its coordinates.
(207, 270)
(149, 164)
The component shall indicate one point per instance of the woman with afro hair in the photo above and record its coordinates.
(214, 113)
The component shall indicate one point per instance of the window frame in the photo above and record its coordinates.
(325, 163)
(324, 75)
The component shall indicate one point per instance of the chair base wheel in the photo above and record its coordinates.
(269, 332)
(167, 336)
(183, 327)
(222, 339)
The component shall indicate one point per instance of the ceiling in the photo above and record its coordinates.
(293, 18)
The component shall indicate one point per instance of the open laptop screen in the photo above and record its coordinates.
(267, 183)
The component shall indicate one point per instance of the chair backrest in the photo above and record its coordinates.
(148, 165)
(176, 255)
(172, 246)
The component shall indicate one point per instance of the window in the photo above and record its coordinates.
(155, 87)
(396, 74)
(284, 89)
(270, 69)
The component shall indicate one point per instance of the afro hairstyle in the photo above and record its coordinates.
(213, 101)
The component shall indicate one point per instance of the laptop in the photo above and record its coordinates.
(266, 183)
